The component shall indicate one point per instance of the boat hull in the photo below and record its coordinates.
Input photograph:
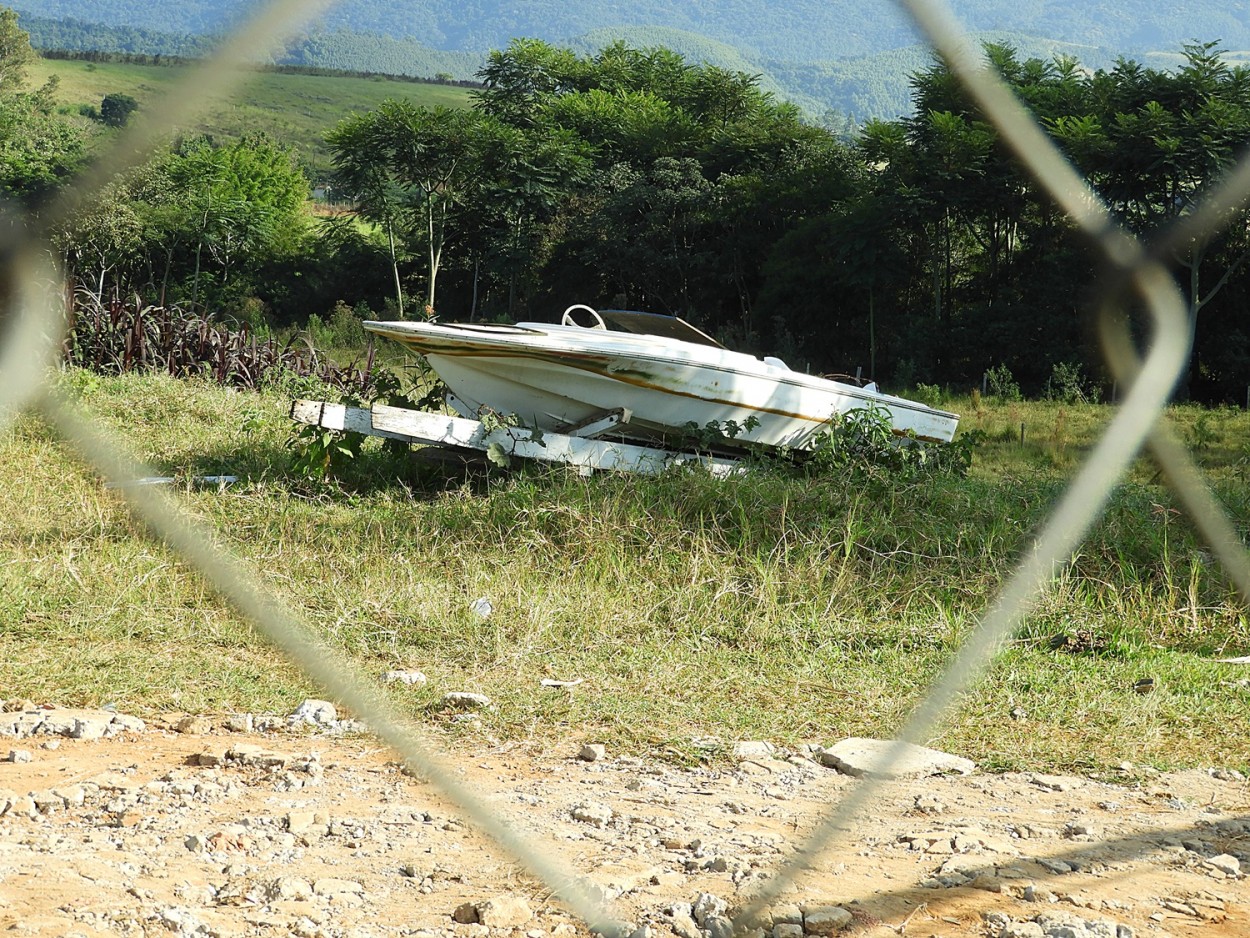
(554, 376)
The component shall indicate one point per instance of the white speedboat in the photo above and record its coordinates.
(665, 372)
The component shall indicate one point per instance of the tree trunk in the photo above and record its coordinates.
(399, 290)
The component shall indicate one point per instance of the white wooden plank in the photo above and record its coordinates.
(339, 417)
(548, 446)
(415, 426)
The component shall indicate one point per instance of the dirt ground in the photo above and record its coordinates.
(218, 833)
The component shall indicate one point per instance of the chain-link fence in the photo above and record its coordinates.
(1133, 276)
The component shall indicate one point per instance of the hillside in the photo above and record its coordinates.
(835, 54)
(294, 108)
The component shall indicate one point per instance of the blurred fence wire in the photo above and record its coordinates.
(1134, 277)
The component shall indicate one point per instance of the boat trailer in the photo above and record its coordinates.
(579, 446)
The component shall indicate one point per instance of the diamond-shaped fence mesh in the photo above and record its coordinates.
(1132, 276)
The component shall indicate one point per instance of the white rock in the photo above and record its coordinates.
(1226, 863)
(685, 927)
(481, 607)
(239, 723)
(707, 905)
(411, 678)
(867, 757)
(592, 752)
(337, 887)
(825, 920)
(504, 912)
(316, 712)
(593, 813)
(1022, 930)
(751, 749)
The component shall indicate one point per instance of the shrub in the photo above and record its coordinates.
(1067, 384)
(1000, 383)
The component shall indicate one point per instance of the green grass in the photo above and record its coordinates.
(761, 607)
(296, 109)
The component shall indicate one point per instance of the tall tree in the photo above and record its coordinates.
(39, 150)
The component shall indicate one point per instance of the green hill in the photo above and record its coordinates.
(830, 58)
(294, 108)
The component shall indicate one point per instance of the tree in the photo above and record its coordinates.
(416, 170)
(16, 55)
(38, 149)
(1154, 143)
(116, 108)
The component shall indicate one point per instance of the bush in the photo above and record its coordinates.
(1000, 383)
(1068, 385)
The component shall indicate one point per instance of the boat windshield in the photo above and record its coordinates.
(666, 327)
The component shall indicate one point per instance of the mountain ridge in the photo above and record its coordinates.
(823, 55)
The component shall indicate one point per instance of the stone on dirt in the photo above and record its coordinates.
(504, 912)
(315, 712)
(868, 757)
(825, 919)
(592, 813)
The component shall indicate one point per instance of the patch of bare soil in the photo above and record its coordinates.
(234, 834)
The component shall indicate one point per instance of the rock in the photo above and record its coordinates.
(298, 822)
(337, 887)
(825, 919)
(1022, 930)
(787, 930)
(19, 755)
(124, 723)
(1226, 863)
(288, 887)
(867, 757)
(248, 754)
(1055, 782)
(314, 712)
(463, 700)
(21, 724)
(239, 723)
(194, 726)
(504, 912)
(754, 750)
(73, 795)
(411, 678)
(787, 913)
(92, 726)
(481, 607)
(685, 927)
(592, 752)
(465, 914)
(593, 813)
(196, 843)
(708, 905)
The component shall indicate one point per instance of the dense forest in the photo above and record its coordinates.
(788, 30)
(841, 61)
(916, 250)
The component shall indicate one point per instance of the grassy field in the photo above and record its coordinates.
(297, 109)
(768, 606)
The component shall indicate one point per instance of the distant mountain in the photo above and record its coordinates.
(852, 56)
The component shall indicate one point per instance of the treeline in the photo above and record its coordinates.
(75, 36)
(175, 61)
(916, 250)
(317, 53)
(824, 55)
(782, 30)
